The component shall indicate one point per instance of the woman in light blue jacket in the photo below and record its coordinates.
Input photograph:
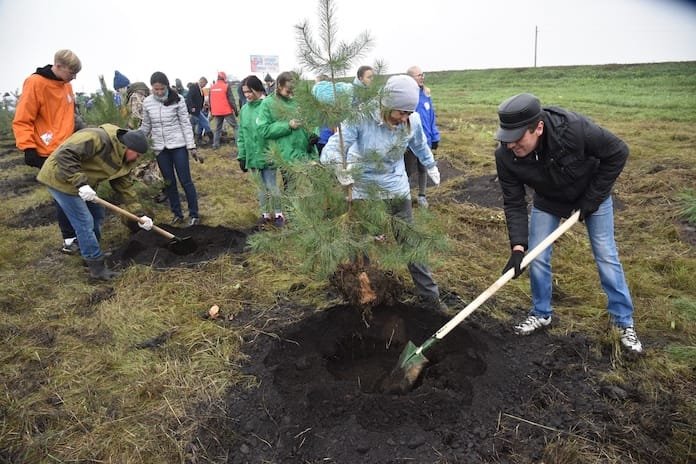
(166, 121)
(374, 147)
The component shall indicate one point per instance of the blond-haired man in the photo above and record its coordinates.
(46, 117)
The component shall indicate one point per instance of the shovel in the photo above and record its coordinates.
(412, 361)
(178, 245)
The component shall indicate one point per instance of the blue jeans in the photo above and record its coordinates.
(200, 124)
(268, 191)
(86, 218)
(600, 228)
(170, 160)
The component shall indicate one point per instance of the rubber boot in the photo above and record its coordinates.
(98, 269)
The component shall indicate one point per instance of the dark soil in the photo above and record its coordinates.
(485, 396)
(203, 242)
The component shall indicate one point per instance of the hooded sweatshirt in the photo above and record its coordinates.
(45, 114)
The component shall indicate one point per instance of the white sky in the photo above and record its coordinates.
(188, 39)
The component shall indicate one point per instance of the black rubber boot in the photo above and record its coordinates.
(98, 269)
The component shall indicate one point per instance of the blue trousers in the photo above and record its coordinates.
(173, 163)
(86, 218)
(600, 228)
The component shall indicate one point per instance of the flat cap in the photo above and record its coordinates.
(515, 114)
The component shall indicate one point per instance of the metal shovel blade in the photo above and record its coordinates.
(411, 363)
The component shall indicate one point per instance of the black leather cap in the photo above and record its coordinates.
(515, 114)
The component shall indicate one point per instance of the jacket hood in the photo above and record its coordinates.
(47, 72)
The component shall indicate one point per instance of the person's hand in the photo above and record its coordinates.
(32, 158)
(145, 223)
(344, 176)
(434, 174)
(434, 145)
(587, 209)
(312, 141)
(197, 156)
(295, 124)
(515, 262)
(242, 165)
(87, 193)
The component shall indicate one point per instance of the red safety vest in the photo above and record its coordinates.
(219, 104)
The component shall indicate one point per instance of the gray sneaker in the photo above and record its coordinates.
(193, 221)
(422, 201)
(531, 324)
(629, 339)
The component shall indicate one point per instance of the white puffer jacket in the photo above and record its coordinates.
(168, 126)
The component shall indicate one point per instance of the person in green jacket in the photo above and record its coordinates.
(75, 169)
(282, 131)
(251, 153)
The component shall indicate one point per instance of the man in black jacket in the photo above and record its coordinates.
(572, 164)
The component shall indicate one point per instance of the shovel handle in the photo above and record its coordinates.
(529, 257)
(131, 216)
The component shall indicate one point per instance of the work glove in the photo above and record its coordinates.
(434, 145)
(515, 262)
(344, 176)
(197, 156)
(242, 165)
(87, 193)
(587, 208)
(434, 174)
(32, 158)
(145, 223)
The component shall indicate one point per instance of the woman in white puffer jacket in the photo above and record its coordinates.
(166, 121)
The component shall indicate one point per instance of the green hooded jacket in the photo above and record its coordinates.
(273, 125)
(250, 143)
(90, 156)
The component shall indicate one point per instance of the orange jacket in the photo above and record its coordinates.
(45, 114)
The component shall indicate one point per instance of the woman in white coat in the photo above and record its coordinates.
(166, 121)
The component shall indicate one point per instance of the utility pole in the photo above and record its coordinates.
(536, 35)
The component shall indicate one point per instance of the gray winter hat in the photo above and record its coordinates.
(516, 114)
(400, 93)
(133, 139)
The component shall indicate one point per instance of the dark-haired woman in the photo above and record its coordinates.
(251, 154)
(166, 121)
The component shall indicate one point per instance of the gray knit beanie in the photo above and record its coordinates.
(400, 93)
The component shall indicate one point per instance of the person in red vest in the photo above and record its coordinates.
(222, 108)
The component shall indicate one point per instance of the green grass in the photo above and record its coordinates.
(76, 390)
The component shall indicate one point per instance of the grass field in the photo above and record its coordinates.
(76, 390)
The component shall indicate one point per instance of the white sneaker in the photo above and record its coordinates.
(422, 201)
(531, 324)
(629, 339)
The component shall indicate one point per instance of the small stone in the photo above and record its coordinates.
(302, 364)
(415, 442)
(391, 442)
(244, 449)
(362, 448)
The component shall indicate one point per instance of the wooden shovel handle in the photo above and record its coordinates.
(533, 253)
(131, 216)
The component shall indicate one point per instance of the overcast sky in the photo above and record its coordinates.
(192, 39)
